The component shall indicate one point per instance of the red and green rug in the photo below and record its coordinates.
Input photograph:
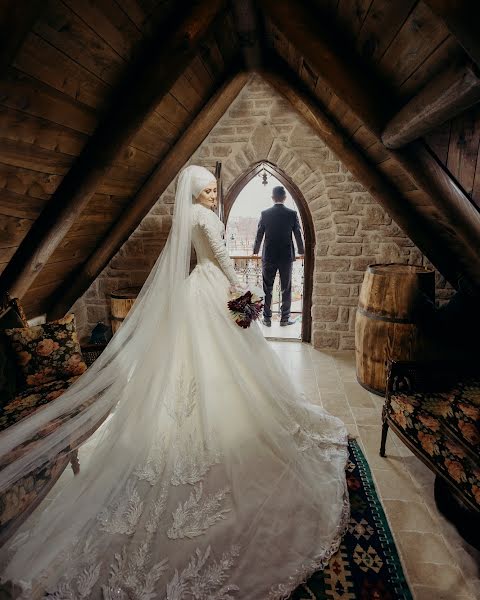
(367, 566)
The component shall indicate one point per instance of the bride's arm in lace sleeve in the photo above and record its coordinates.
(219, 249)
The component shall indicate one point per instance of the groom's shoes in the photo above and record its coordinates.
(267, 322)
(286, 323)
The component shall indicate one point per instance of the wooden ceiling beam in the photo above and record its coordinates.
(353, 83)
(149, 80)
(445, 96)
(16, 20)
(247, 25)
(394, 203)
(461, 18)
(149, 193)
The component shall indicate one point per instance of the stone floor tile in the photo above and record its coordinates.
(423, 592)
(395, 483)
(407, 516)
(357, 396)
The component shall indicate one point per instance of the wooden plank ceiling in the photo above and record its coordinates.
(66, 76)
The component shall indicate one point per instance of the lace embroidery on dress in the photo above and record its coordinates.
(123, 516)
(79, 584)
(154, 467)
(197, 514)
(193, 459)
(194, 584)
(183, 401)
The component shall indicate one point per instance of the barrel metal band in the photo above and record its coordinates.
(117, 318)
(377, 317)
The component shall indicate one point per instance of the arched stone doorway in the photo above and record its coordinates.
(308, 229)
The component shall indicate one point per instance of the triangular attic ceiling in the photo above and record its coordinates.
(94, 100)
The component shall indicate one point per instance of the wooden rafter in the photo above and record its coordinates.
(415, 226)
(149, 193)
(247, 24)
(360, 90)
(445, 96)
(16, 20)
(149, 80)
(461, 17)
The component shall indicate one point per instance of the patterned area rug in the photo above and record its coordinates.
(367, 566)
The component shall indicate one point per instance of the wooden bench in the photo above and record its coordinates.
(434, 408)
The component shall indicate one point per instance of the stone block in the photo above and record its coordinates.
(333, 178)
(349, 277)
(344, 314)
(325, 313)
(326, 339)
(361, 263)
(96, 313)
(345, 249)
(221, 150)
(340, 204)
(332, 264)
(321, 250)
(322, 277)
(347, 342)
(338, 327)
(324, 289)
(330, 166)
(346, 229)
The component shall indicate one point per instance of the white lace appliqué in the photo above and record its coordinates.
(197, 514)
(193, 458)
(202, 581)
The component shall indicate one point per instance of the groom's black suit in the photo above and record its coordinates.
(277, 224)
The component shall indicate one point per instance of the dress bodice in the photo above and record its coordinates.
(208, 240)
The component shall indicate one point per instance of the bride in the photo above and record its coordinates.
(211, 478)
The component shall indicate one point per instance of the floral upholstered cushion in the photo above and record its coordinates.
(30, 399)
(427, 420)
(47, 352)
(463, 418)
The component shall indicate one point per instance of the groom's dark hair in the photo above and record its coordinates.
(278, 193)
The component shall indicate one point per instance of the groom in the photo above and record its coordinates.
(277, 225)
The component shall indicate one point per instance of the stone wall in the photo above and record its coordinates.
(351, 229)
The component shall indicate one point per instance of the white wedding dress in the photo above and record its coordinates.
(232, 486)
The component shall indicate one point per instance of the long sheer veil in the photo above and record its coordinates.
(121, 389)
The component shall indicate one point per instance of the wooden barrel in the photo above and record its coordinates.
(386, 326)
(121, 301)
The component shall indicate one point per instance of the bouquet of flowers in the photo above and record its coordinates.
(245, 307)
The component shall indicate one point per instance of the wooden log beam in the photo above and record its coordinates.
(461, 18)
(396, 205)
(445, 96)
(353, 83)
(16, 20)
(149, 193)
(150, 79)
(247, 24)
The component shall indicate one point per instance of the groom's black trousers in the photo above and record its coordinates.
(269, 270)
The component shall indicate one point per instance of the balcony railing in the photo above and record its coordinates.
(249, 270)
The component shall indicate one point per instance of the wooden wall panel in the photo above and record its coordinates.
(457, 145)
(418, 38)
(380, 26)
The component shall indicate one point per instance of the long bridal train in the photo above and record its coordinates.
(213, 478)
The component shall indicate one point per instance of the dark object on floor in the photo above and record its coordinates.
(91, 352)
(286, 323)
(267, 322)
(367, 565)
(434, 408)
(100, 334)
(466, 521)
